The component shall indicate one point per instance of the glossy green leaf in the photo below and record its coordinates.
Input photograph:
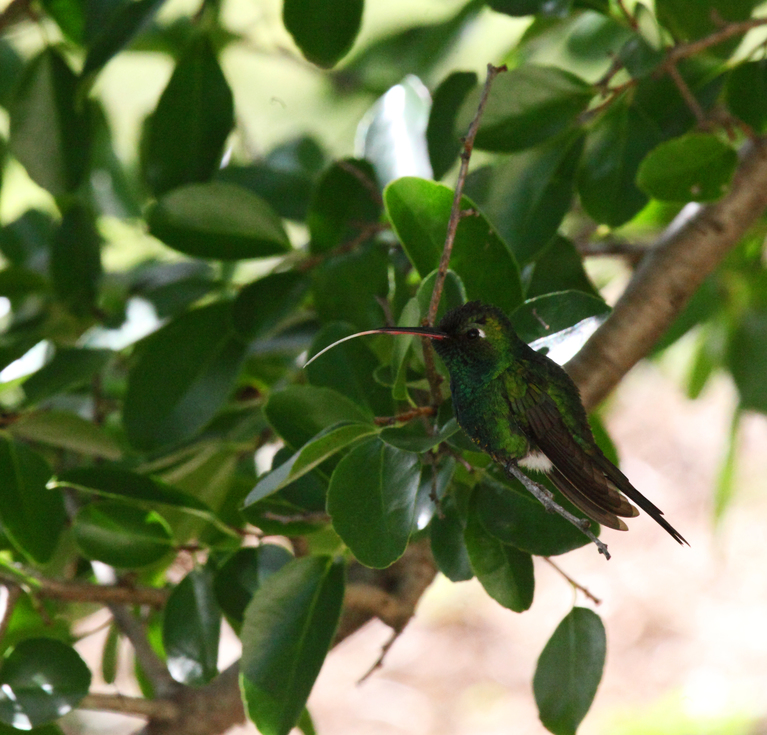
(547, 315)
(32, 516)
(453, 294)
(527, 195)
(121, 535)
(447, 542)
(345, 201)
(183, 374)
(41, 680)
(68, 431)
(441, 136)
(371, 500)
(747, 94)
(324, 30)
(559, 267)
(521, 521)
(505, 572)
(414, 438)
(243, 573)
(123, 23)
(327, 443)
(288, 628)
(50, 128)
(569, 671)
(186, 133)
(217, 220)
(519, 8)
(419, 211)
(191, 629)
(696, 167)
(262, 305)
(298, 413)
(70, 367)
(615, 146)
(527, 106)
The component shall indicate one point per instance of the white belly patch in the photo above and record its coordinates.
(536, 461)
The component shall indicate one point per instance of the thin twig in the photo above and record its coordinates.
(403, 418)
(156, 709)
(384, 650)
(685, 50)
(575, 584)
(687, 95)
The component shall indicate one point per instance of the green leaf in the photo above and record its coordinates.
(68, 431)
(519, 8)
(41, 680)
(261, 306)
(747, 359)
(298, 413)
(243, 573)
(505, 572)
(327, 443)
(547, 315)
(371, 500)
(17, 281)
(324, 30)
(70, 367)
(32, 516)
(110, 655)
(217, 220)
(527, 195)
(447, 542)
(419, 211)
(615, 146)
(288, 627)
(50, 128)
(121, 535)
(521, 521)
(696, 167)
(746, 94)
(443, 142)
(559, 267)
(191, 629)
(185, 134)
(184, 373)
(526, 106)
(569, 671)
(413, 438)
(346, 200)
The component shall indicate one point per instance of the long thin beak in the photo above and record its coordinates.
(429, 332)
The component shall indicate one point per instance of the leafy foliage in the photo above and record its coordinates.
(161, 289)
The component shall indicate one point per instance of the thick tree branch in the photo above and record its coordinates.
(691, 248)
(161, 709)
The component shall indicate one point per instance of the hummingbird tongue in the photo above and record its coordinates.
(429, 332)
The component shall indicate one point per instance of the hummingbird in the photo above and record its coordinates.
(523, 409)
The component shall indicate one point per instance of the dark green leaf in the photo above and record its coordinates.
(186, 133)
(184, 373)
(32, 516)
(70, 367)
(615, 146)
(121, 535)
(569, 671)
(218, 220)
(447, 542)
(42, 679)
(11, 67)
(558, 268)
(441, 136)
(528, 194)
(110, 655)
(747, 359)
(262, 305)
(419, 211)
(528, 105)
(696, 167)
(521, 521)
(287, 631)
(16, 281)
(324, 30)
(243, 573)
(414, 438)
(50, 128)
(371, 500)
(747, 94)
(26, 241)
(547, 315)
(518, 8)
(191, 629)
(346, 200)
(505, 572)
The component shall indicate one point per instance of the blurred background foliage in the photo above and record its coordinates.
(195, 196)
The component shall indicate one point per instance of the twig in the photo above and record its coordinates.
(368, 230)
(630, 19)
(685, 50)
(687, 95)
(546, 499)
(575, 584)
(160, 709)
(384, 650)
(455, 212)
(403, 418)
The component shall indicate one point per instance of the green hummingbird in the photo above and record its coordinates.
(522, 408)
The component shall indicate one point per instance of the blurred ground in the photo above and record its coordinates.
(686, 627)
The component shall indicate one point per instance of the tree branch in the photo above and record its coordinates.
(690, 248)
(161, 709)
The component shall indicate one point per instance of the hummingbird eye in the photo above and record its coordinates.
(474, 333)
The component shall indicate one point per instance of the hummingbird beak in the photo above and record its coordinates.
(429, 332)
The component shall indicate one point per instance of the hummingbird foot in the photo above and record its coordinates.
(546, 499)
